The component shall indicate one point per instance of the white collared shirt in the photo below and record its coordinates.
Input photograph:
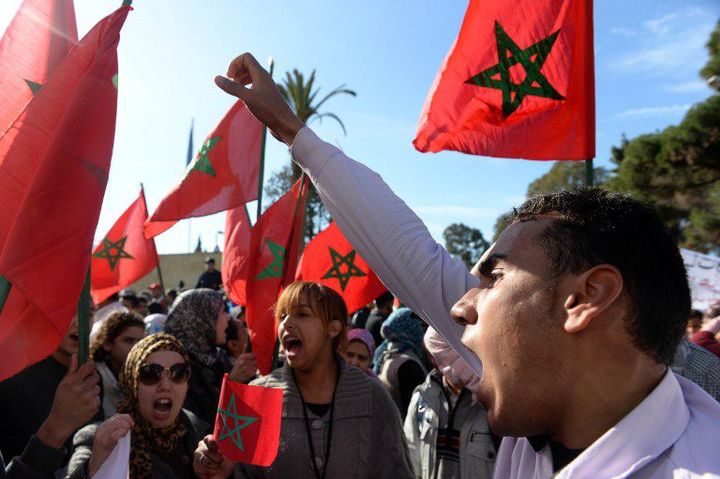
(672, 433)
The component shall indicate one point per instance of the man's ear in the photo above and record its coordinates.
(593, 292)
(334, 328)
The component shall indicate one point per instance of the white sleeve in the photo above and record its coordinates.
(389, 236)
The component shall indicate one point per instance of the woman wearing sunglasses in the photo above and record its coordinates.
(337, 422)
(154, 382)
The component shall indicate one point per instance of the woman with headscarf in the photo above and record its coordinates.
(360, 350)
(336, 421)
(399, 359)
(198, 320)
(154, 381)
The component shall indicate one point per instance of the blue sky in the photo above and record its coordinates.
(648, 54)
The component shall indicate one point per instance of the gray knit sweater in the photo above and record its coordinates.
(367, 438)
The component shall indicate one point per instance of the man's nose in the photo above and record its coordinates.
(464, 311)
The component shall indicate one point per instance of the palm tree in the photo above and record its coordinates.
(301, 96)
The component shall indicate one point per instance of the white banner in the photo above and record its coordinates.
(704, 278)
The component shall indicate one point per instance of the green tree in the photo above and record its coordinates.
(712, 67)
(303, 97)
(565, 175)
(465, 243)
(678, 169)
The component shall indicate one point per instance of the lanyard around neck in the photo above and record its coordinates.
(318, 474)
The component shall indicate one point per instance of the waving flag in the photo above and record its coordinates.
(517, 83)
(124, 255)
(247, 425)
(271, 265)
(36, 41)
(54, 167)
(330, 259)
(223, 175)
(235, 254)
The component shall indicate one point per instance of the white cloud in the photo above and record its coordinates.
(654, 111)
(659, 26)
(625, 32)
(666, 56)
(671, 43)
(687, 87)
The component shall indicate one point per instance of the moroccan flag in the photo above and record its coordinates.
(39, 37)
(235, 254)
(518, 83)
(271, 265)
(247, 425)
(330, 259)
(124, 255)
(54, 168)
(223, 175)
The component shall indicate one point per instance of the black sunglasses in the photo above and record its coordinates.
(150, 374)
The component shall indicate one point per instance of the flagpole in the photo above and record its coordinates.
(5, 287)
(261, 173)
(303, 191)
(84, 319)
(187, 163)
(159, 271)
(589, 172)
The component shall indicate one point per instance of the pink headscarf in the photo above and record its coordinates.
(449, 362)
(365, 337)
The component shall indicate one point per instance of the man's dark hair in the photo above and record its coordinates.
(594, 226)
(695, 314)
(384, 300)
(156, 307)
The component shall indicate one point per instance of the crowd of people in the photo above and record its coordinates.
(570, 350)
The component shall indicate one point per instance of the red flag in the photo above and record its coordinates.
(330, 259)
(124, 255)
(39, 37)
(247, 425)
(271, 265)
(235, 253)
(223, 175)
(517, 83)
(55, 163)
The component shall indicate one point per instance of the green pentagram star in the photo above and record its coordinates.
(509, 54)
(343, 274)
(277, 265)
(113, 251)
(241, 422)
(202, 162)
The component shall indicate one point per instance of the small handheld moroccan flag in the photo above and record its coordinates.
(247, 425)
(519, 82)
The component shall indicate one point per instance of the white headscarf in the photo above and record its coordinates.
(449, 362)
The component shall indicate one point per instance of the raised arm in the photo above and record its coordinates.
(388, 234)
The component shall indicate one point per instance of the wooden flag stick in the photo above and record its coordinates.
(84, 319)
(261, 173)
(589, 172)
(159, 271)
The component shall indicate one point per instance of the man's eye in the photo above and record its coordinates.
(494, 276)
